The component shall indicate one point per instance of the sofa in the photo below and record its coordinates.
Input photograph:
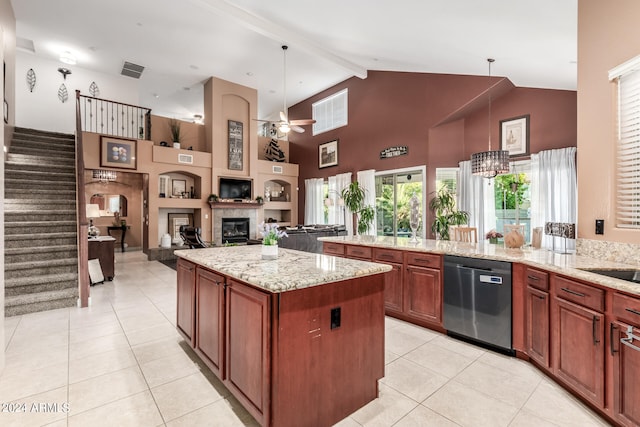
(305, 237)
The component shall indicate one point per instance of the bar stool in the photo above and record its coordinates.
(465, 234)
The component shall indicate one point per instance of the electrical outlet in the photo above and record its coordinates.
(335, 318)
(599, 226)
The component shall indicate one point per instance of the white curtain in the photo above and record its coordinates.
(367, 180)
(338, 213)
(313, 201)
(554, 192)
(476, 196)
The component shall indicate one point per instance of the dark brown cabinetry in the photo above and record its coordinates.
(625, 352)
(186, 275)
(209, 339)
(102, 249)
(393, 287)
(537, 323)
(578, 338)
(423, 288)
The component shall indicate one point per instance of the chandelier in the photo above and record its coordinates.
(104, 175)
(492, 162)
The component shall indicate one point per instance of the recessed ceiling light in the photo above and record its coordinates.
(186, 88)
(249, 73)
(272, 91)
(155, 95)
(93, 48)
(193, 67)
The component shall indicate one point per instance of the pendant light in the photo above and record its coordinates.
(490, 163)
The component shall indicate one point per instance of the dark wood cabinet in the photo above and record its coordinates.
(210, 319)
(247, 348)
(186, 286)
(537, 316)
(578, 342)
(102, 250)
(393, 280)
(423, 294)
(625, 352)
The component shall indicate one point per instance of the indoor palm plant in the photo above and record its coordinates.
(174, 128)
(443, 205)
(353, 197)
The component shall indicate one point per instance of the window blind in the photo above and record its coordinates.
(628, 150)
(330, 112)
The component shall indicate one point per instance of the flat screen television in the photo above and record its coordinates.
(237, 189)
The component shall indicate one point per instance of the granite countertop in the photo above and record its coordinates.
(292, 270)
(568, 264)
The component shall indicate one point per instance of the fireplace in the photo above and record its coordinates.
(235, 230)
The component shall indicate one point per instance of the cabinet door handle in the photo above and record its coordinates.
(386, 256)
(533, 278)
(631, 310)
(573, 292)
(595, 330)
(612, 328)
(426, 260)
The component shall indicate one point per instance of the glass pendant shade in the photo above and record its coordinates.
(490, 163)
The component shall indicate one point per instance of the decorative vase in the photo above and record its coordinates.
(414, 218)
(176, 144)
(493, 240)
(269, 251)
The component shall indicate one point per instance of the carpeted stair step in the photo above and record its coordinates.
(39, 253)
(40, 268)
(26, 185)
(11, 166)
(36, 204)
(40, 301)
(39, 194)
(40, 227)
(42, 283)
(42, 175)
(42, 160)
(36, 133)
(50, 144)
(42, 215)
(43, 152)
(31, 240)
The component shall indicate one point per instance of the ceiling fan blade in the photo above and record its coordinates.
(302, 122)
(283, 116)
(297, 129)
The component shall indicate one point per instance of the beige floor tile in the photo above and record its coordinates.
(134, 411)
(100, 364)
(167, 369)
(224, 412)
(37, 410)
(551, 403)
(470, 408)
(14, 386)
(514, 365)
(386, 410)
(148, 351)
(185, 395)
(526, 419)
(458, 346)
(389, 356)
(424, 417)
(153, 333)
(92, 347)
(438, 359)
(10, 325)
(109, 327)
(412, 380)
(501, 384)
(347, 422)
(103, 389)
(24, 361)
(404, 340)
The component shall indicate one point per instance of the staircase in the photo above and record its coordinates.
(41, 255)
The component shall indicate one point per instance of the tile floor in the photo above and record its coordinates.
(121, 362)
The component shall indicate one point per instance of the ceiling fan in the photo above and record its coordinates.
(285, 125)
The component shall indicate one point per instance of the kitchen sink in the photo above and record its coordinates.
(628, 275)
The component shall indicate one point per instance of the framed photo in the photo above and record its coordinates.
(176, 220)
(514, 135)
(328, 154)
(117, 152)
(178, 186)
(235, 145)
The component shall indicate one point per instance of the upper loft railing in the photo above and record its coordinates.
(114, 118)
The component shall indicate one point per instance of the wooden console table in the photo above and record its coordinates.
(123, 229)
(101, 248)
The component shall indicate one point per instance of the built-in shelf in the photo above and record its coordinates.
(167, 202)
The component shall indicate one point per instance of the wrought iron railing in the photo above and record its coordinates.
(114, 118)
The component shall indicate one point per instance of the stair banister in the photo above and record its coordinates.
(83, 243)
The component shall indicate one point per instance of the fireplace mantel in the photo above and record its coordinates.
(235, 205)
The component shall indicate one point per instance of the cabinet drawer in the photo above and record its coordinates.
(579, 293)
(626, 308)
(423, 260)
(358, 252)
(332, 248)
(537, 279)
(387, 255)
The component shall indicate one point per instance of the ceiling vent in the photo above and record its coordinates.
(130, 69)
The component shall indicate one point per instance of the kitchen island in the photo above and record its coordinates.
(299, 340)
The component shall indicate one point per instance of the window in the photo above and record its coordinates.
(447, 177)
(627, 77)
(394, 189)
(330, 112)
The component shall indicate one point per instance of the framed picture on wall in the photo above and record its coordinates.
(178, 186)
(117, 152)
(514, 135)
(328, 154)
(176, 220)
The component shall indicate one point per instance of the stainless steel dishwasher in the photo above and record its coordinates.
(477, 300)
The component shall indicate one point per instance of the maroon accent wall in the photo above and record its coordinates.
(392, 108)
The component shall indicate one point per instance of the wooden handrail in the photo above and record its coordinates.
(83, 227)
(78, 96)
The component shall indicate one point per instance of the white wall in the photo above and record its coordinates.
(41, 109)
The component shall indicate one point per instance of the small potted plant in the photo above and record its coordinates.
(259, 199)
(213, 198)
(493, 236)
(270, 233)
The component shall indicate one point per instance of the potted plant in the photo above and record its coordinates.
(213, 198)
(174, 128)
(270, 233)
(443, 204)
(259, 199)
(353, 197)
